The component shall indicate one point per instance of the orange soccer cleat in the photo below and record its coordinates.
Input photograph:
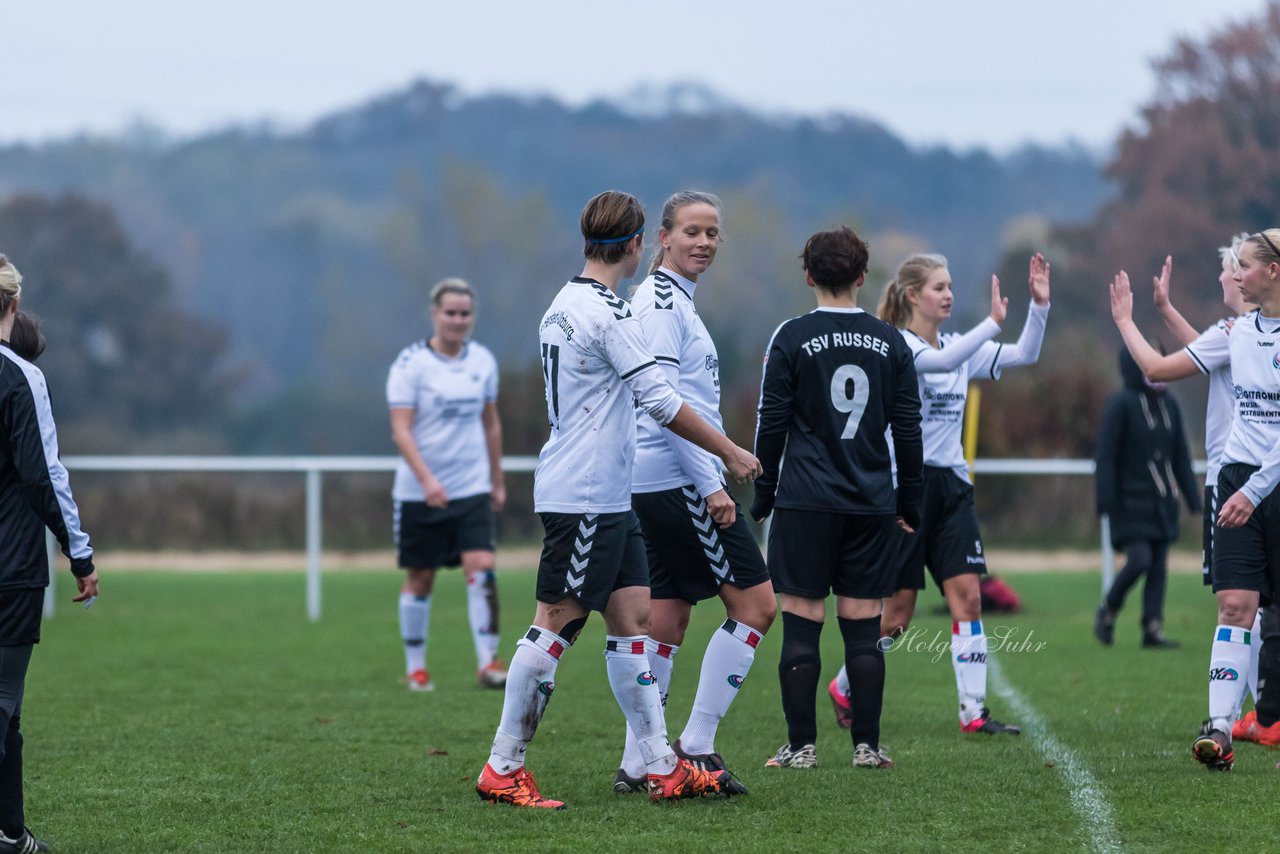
(686, 781)
(517, 788)
(1248, 729)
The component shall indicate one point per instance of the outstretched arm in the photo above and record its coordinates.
(1154, 364)
(1026, 350)
(1173, 319)
(963, 348)
(625, 349)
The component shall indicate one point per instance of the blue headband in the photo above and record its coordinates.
(639, 230)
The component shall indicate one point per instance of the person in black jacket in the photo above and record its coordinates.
(1141, 454)
(34, 494)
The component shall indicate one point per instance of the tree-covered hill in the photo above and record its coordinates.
(315, 248)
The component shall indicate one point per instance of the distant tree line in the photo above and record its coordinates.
(246, 291)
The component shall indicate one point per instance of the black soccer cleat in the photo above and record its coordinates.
(24, 844)
(1104, 625)
(988, 725)
(623, 784)
(1213, 748)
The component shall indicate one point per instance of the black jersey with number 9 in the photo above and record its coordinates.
(834, 380)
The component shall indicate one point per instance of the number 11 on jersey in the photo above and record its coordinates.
(551, 375)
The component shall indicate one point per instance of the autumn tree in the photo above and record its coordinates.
(1204, 164)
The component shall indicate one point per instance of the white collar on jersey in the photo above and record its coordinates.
(839, 309)
(681, 282)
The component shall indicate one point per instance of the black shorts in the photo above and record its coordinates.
(947, 539)
(20, 614)
(1248, 557)
(812, 554)
(1206, 534)
(690, 556)
(432, 537)
(588, 556)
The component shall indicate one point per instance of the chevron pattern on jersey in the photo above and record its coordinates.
(663, 293)
(708, 535)
(620, 308)
(581, 554)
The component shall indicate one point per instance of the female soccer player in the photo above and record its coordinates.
(1246, 534)
(444, 420)
(948, 541)
(698, 544)
(1261, 724)
(835, 380)
(597, 369)
(34, 494)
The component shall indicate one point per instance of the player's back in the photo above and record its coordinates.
(835, 379)
(585, 465)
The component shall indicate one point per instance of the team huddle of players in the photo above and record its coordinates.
(866, 411)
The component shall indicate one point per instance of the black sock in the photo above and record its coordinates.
(11, 813)
(798, 669)
(864, 662)
(1268, 707)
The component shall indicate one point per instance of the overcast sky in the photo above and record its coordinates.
(994, 73)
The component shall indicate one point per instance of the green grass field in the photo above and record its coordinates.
(202, 712)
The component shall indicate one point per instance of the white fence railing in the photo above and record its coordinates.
(314, 468)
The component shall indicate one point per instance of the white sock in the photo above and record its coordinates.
(1254, 649)
(530, 681)
(415, 617)
(729, 655)
(482, 608)
(1228, 669)
(636, 690)
(969, 661)
(662, 660)
(842, 681)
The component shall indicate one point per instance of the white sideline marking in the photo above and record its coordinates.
(1087, 797)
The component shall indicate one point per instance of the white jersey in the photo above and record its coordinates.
(944, 373)
(679, 342)
(597, 370)
(1213, 345)
(1254, 357)
(447, 396)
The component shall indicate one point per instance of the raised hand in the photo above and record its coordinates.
(1121, 299)
(999, 306)
(1038, 279)
(1160, 284)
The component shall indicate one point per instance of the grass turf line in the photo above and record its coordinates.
(204, 713)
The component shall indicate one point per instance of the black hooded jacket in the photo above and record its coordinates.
(1140, 454)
